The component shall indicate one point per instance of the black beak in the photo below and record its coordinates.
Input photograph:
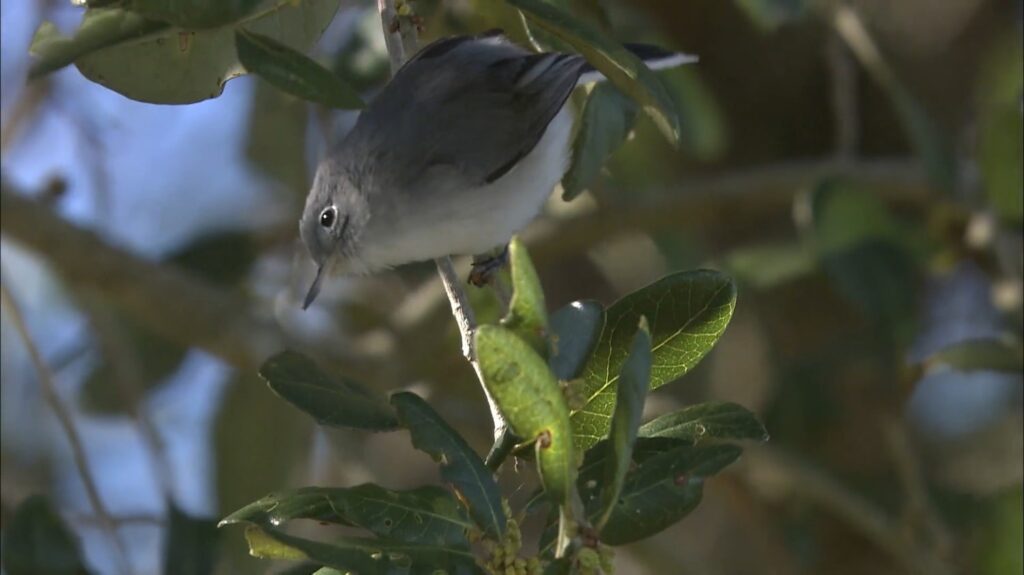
(315, 288)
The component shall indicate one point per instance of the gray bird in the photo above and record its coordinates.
(457, 153)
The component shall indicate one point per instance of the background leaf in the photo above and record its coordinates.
(710, 420)
(36, 542)
(293, 71)
(687, 311)
(604, 122)
(192, 544)
(331, 401)
(461, 467)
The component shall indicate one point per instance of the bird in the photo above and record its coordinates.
(454, 156)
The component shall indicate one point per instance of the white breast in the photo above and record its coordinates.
(474, 221)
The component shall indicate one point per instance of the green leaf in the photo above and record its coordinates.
(617, 63)
(981, 354)
(157, 63)
(461, 467)
(427, 515)
(769, 15)
(192, 14)
(634, 380)
(687, 311)
(999, 535)
(293, 71)
(605, 122)
(100, 28)
(36, 541)
(531, 400)
(527, 314)
(766, 265)
(662, 490)
(575, 330)
(191, 547)
(704, 133)
(710, 420)
(1001, 127)
(331, 401)
(223, 258)
(275, 138)
(362, 556)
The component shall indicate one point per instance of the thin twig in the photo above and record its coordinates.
(67, 424)
(400, 36)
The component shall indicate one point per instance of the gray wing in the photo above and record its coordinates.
(474, 106)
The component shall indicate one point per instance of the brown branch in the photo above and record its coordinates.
(67, 425)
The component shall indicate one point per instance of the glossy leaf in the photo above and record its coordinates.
(427, 515)
(527, 313)
(461, 467)
(662, 490)
(617, 63)
(191, 14)
(710, 420)
(330, 400)
(192, 544)
(531, 400)
(687, 311)
(634, 381)
(358, 555)
(293, 71)
(35, 541)
(605, 121)
(575, 330)
(164, 64)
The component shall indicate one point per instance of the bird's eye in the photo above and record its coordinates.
(328, 216)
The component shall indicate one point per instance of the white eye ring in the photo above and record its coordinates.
(328, 217)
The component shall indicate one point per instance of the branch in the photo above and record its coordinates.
(400, 36)
(171, 302)
(68, 426)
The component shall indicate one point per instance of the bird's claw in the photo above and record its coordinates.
(485, 266)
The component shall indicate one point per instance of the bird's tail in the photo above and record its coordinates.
(656, 59)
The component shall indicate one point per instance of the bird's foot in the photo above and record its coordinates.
(486, 266)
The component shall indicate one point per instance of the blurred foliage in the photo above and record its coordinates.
(836, 159)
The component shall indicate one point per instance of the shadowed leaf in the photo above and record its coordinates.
(605, 121)
(191, 14)
(331, 401)
(711, 420)
(36, 541)
(192, 544)
(461, 467)
(575, 330)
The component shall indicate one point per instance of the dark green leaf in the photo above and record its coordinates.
(100, 28)
(293, 71)
(531, 400)
(331, 401)
(704, 133)
(687, 312)
(191, 547)
(192, 14)
(427, 515)
(157, 63)
(710, 420)
(275, 139)
(461, 467)
(36, 541)
(605, 121)
(634, 381)
(575, 330)
(223, 258)
(1001, 127)
(617, 63)
(771, 14)
(527, 314)
(363, 556)
(662, 490)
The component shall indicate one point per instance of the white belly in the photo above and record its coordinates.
(475, 221)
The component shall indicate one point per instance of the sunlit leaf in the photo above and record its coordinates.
(575, 330)
(687, 312)
(427, 515)
(293, 71)
(617, 63)
(100, 28)
(710, 420)
(36, 541)
(527, 313)
(330, 400)
(461, 467)
(531, 400)
(191, 14)
(634, 381)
